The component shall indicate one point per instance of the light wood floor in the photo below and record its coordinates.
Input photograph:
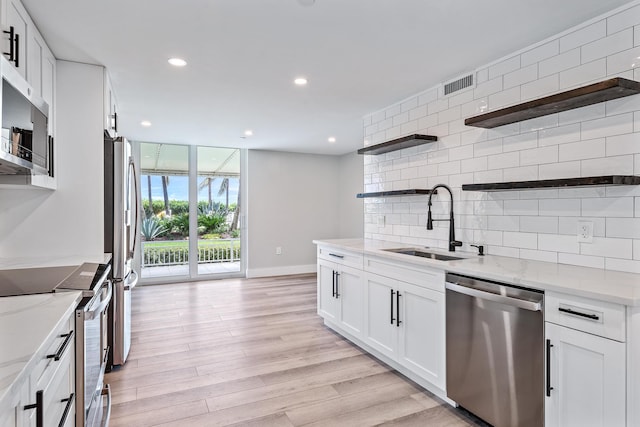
(253, 352)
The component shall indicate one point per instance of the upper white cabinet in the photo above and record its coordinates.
(16, 24)
(110, 107)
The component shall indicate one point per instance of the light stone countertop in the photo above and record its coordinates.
(604, 285)
(26, 324)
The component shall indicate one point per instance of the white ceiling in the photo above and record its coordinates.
(358, 55)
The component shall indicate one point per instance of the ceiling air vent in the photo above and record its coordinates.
(459, 84)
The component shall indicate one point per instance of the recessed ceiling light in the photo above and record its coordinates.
(331, 139)
(248, 132)
(178, 62)
(145, 123)
(300, 81)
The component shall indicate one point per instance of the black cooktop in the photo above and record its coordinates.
(27, 281)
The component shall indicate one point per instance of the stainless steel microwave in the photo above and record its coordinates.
(25, 145)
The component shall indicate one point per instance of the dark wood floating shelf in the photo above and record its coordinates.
(575, 98)
(411, 192)
(398, 144)
(548, 183)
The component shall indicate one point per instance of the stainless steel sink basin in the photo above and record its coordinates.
(424, 254)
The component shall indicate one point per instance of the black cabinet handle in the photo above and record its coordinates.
(398, 321)
(549, 388)
(392, 318)
(577, 313)
(337, 256)
(11, 52)
(58, 354)
(39, 407)
(115, 122)
(333, 284)
(67, 408)
(337, 285)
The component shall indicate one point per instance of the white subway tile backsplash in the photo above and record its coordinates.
(627, 104)
(589, 72)
(541, 87)
(521, 207)
(559, 63)
(558, 243)
(539, 255)
(623, 61)
(543, 193)
(503, 161)
(560, 207)
(503, 251)
(488, 207)
(636, 35)
(520, 240)
(581, 260)
(583, 114)
(400, 118)
(637, 207)
(487, 237)
(636, 164)
(473, 165)
(614, 43)
(439, 130)
(539, 224)
(537, 156)
(418, 113)
(504, 98)
(449, 168)
(463, 152)
(636, 249)
(559, 135)
(461, 98)
(608, 247)
(485, 148)
(626, 18)
(622, 265)
(583, 36)
(427, 96)
(484, 177)
(569, 225)
(539, 123)
(482, 75)
(449, 141)
(520, 142)
(502, 131)
(437, 106)
(504, 67)
(559, 170)
(623, 144)
(393, 133)
(487, 88)
(619, 165)
(471, 108)
(628, 228)
(608, 207)
(521, 76)
(582, 150)
(392, 111)
(449, 114)
(539, 53)
(409, 104)
(428, 121)
(522, 173)
(503, 223)
(607, 126)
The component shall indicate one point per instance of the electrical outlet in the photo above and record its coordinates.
(278, 250)
(585, 231)
(381, 220)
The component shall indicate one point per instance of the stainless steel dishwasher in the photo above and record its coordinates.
(495, 350)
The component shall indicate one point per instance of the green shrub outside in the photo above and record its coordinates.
(182, 206)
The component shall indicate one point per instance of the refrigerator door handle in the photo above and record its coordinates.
(132, 167)
(131, 283)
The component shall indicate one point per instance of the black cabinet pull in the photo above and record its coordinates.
(337, 285)
(11, 52)
(58, 354)
(577, 313)
(398, 321)
(392, 318)
(337, 256)
(549, 388)
(115, 122)
(39, 407)
(333, 284)
(65, 414)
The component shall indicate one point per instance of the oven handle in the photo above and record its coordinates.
(107, 391)
(133, 283)
(90, 315)
(515, 302)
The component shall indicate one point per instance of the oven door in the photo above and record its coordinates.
(91, 356)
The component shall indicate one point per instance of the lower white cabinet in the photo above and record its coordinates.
(405, 322)
(586, 373)
(340, 295)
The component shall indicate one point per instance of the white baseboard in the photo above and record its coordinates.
(281, 271)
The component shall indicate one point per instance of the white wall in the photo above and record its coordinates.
(69, 220)
(603, 139)
(350, 183)
(291, 201)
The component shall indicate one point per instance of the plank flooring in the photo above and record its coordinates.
(253, 352)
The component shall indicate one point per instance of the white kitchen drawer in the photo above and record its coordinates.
(340, 256)
(47, 366)
(421, 276)
(58, 392)
(600, 318)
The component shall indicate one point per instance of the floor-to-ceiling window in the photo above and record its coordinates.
(191, 211)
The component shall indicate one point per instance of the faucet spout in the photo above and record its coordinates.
(452, 234)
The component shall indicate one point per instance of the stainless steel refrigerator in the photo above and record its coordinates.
(120, 239)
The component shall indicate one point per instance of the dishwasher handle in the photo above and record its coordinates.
(515, 302)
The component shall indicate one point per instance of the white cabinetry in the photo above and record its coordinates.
(405, 320)
(16, 24)
(340, 290)
(110, 107)
(586, 375)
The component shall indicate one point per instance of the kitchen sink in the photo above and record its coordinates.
(424, 254)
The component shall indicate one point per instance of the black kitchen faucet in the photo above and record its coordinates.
(452, 234)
